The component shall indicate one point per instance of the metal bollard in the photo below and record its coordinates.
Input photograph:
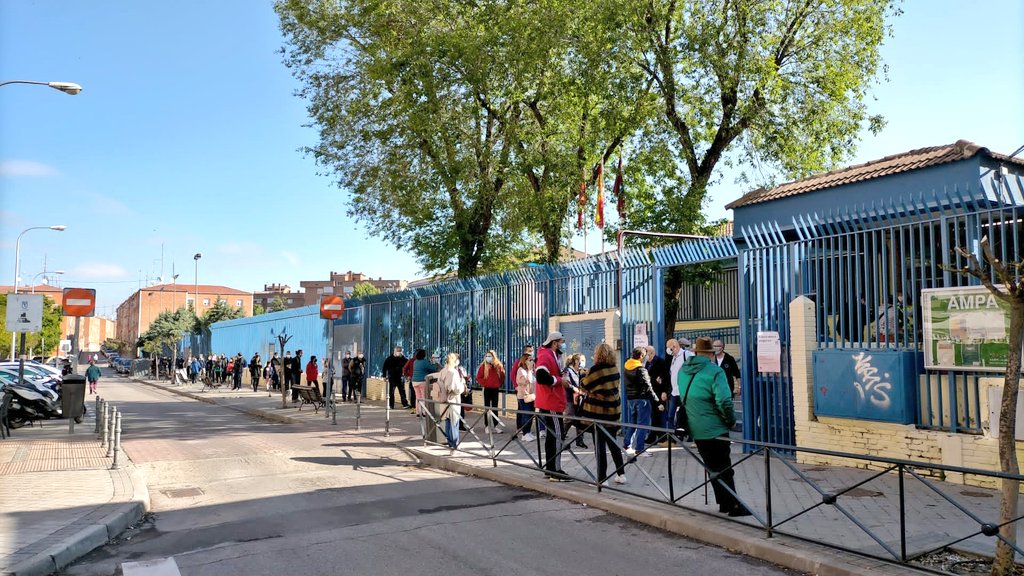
(110, 433)
(117, 440)
(103, 424)
(96, 416)
(359, 409)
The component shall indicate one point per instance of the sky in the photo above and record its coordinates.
(186, 137)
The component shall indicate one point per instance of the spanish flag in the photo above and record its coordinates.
(600, 196)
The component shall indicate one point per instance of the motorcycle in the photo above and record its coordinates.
(34, 400)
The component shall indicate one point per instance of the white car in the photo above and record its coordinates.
(32, 370)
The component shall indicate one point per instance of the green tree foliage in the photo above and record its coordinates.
(277, 304)
(50, 335)
(258, 309)
(167, 330)
(219, 312)
(116, 345)
(364, 289)
(462, 130)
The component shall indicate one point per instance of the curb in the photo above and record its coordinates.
(89, 537)
(781, 550)
(254, 412)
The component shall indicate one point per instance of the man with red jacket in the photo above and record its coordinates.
(551, 400)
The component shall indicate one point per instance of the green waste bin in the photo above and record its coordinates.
(72, 397)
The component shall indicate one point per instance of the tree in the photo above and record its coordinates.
(364, 289)
(776, 84)
(47, 340)
(167, 330)
(116, 345)
(277, 304)
(1010, 291)
(219, 312)
(258, 309)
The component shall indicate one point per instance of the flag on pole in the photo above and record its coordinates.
(599, 220)
(582, 200)
(619, 193)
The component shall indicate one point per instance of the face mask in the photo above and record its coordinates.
(488, 359)
(717, 349)
(456, 363)
(360, 355)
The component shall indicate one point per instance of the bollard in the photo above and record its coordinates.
(103, 424)
(110, 433)
(117, 440)
(96, 415)
(359, 409)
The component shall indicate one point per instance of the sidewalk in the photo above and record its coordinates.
(37, 460)
(60, 498)
(647, 476)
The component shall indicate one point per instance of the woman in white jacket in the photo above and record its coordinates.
(452, 382)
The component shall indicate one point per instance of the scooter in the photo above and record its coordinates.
(33, 401)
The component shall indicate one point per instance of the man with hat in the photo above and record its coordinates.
(550, 399)
(707, 401)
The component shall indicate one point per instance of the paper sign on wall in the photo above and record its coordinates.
(640, 336)
(769, 352)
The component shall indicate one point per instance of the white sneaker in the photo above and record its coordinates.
(630, 451)
(620, 479)
(529, 437)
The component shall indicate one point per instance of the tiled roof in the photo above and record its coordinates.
(191, 288)
(895, 164)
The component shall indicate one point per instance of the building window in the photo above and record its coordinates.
(206, 301)
(238, 303)
(289, 300)
(189, 301)
(328, 290)
(347, 289)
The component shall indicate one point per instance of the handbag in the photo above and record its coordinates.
(682, 420)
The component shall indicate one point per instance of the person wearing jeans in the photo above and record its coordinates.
(525, 394)
(452, 383)
(639, 397)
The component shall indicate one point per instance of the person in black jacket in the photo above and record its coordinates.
(727, 363)
(392, 371)
(356, 373)
(661, 382)
(640, 401)
(297, 368)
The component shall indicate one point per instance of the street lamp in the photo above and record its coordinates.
(65, 87)
(43, 273)
(17, 260)
(196, 303)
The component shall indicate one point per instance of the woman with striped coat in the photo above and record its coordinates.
(604, 403)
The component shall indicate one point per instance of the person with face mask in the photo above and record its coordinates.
(392, 371)
(551, 400)
(727, 363)
(345, 375)
(452, 384)
(491, 377)
(674, 349)
(356, 370)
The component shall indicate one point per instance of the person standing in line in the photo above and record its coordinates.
(710, 414)
(657, 369)
(491, 376)
(313, 373)
(420, 368)
(392, 371)
(357, 371)
(452, 383)
(603, 403)
(194, 368)
(297, 369)
(346, 374)
(551, 400)
(237, 366)
(275, 369)
(527, 351)
(92, 376)
(727, 363)
(640, 402)
(573, 394)
(526, 387)
(407, 377)
(325, 371)
(209, 368)
(679, 356)
(255, 369)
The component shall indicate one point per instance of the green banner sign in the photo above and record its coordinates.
(965, 328)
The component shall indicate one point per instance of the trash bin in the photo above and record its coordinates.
(430, 423)
(72, 397)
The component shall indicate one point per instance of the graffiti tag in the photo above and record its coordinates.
(869, 384)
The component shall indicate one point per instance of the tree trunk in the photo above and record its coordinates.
(1003, 563)
(174, 363)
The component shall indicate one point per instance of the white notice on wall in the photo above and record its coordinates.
(769, 352)
(640, 336)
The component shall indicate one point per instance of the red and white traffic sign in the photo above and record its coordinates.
(331, 307)
(79, 301)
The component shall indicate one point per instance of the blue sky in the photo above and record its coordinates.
(186, 135)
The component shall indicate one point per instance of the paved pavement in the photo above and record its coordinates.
(37, 538)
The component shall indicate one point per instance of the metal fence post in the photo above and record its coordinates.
(768, 490)
(96, 415)
(103, 424)
(110, 431)
(117, 440)
(359, 407)
(903, 519)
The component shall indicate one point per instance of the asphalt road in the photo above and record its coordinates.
(235, 495)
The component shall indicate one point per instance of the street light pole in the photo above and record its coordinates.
(43, 273)
(65, 87)
(195, 304)
(17, 259)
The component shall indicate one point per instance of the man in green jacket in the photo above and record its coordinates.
(92, 376)
(708, 405)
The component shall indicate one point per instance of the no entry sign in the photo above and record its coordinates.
(331, 307)
(79, 301)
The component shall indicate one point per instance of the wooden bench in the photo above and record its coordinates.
(310, 395)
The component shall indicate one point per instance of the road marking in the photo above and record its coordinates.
(160, 567)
